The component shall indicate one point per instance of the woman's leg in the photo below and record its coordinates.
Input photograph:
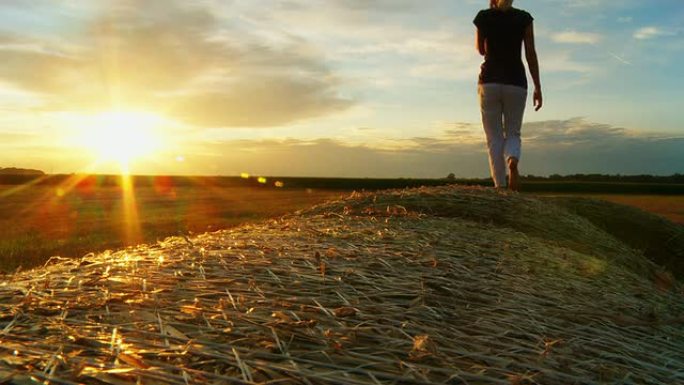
(514, 100)
(491, 107)
(513, 174)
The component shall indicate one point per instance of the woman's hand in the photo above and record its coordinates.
(537, 99)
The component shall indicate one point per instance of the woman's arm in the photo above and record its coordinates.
(533, 64)
(480, 43)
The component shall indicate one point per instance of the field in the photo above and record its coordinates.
(37, 222)
(64, 218)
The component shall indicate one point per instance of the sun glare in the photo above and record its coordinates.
(121, 136)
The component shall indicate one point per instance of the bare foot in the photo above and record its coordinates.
(513, 175)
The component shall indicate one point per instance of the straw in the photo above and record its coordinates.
(432, 285)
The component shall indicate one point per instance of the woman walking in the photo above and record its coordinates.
(502, 86)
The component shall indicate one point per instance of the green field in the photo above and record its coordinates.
(37, 222)
(70, 216)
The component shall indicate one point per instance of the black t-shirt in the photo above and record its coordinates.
(504, 32)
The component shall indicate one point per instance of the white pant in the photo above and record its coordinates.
(502, 108)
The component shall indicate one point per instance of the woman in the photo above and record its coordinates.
(501, 31)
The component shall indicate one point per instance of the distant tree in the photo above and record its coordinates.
(20, 171)
(451, 176)
(531, 177)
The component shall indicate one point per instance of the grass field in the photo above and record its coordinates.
(37, 222)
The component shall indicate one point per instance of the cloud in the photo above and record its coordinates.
(326, 157)
(571, 132)
(574, 37)
(646, 33)
(383, 42)
(269, 101)
(178, 58)
(36, 65)
(378, 5)
(582, 3)
(557, 146)
(32, 150)
(13, 139)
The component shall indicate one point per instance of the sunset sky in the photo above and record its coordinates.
(357, 88)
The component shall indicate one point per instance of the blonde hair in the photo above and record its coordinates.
(503, 4)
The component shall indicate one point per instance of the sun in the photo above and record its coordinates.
(121, 136)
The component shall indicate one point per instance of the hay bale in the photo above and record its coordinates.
(350, 292)
(526, 214)
(660, 240)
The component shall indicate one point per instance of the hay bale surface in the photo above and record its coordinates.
(436, 285)
(659, 239)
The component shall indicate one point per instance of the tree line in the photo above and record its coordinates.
(617, 178)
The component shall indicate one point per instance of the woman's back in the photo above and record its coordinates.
(503, 30)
